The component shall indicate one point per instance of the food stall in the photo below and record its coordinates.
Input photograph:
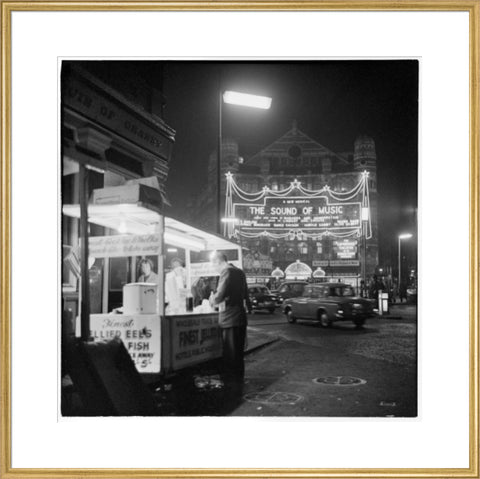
(163, 328)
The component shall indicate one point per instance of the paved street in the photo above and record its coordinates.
(311, 371)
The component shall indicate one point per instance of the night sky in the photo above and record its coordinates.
(332, 101)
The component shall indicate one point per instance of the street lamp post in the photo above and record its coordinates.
(240, 99)
(219, 163)
(365, 218)
(401, 237)
(234, 221)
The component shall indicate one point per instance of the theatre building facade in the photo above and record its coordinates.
(300, 209)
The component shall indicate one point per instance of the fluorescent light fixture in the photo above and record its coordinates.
(172, 250)
(122, 227)
(405, 236)
(184, 241)
(230, 220)
(246, 99)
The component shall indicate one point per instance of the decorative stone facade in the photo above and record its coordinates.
(296, 156)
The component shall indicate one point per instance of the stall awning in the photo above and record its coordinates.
(140, 219)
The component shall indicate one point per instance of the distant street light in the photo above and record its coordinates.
(241, 99)
(404, 236)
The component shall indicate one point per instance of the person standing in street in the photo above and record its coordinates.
(233, 302)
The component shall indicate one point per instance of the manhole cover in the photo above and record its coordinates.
(388, 403)
(273, 398)
(339, 381)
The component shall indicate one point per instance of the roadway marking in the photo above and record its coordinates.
(339, 381)
(274, 398)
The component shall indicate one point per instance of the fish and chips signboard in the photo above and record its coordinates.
(139, 333)
(195, 338)
(289, 213)
(192, 338)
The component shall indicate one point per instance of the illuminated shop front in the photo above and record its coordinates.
(130, 271)
(298, 271)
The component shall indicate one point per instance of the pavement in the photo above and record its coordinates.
(304, 370)
(256, 338)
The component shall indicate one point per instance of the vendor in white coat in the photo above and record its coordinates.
(175, 288)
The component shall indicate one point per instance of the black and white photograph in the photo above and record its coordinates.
(239, 238)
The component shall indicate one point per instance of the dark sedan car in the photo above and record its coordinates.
(290, 289)
(327, 303)
(261, 298)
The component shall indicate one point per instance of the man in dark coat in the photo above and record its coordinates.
(232, 300)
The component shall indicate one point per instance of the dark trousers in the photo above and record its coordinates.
(233, 340)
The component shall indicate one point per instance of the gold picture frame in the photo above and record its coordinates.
(470, 6)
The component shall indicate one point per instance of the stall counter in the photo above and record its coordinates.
(160, 345)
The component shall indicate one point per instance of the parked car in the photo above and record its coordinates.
(289, 289)
(262, 298)
(327, 303)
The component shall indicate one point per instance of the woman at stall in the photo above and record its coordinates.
(147, 273)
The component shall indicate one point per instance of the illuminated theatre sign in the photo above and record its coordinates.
(297, 212)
